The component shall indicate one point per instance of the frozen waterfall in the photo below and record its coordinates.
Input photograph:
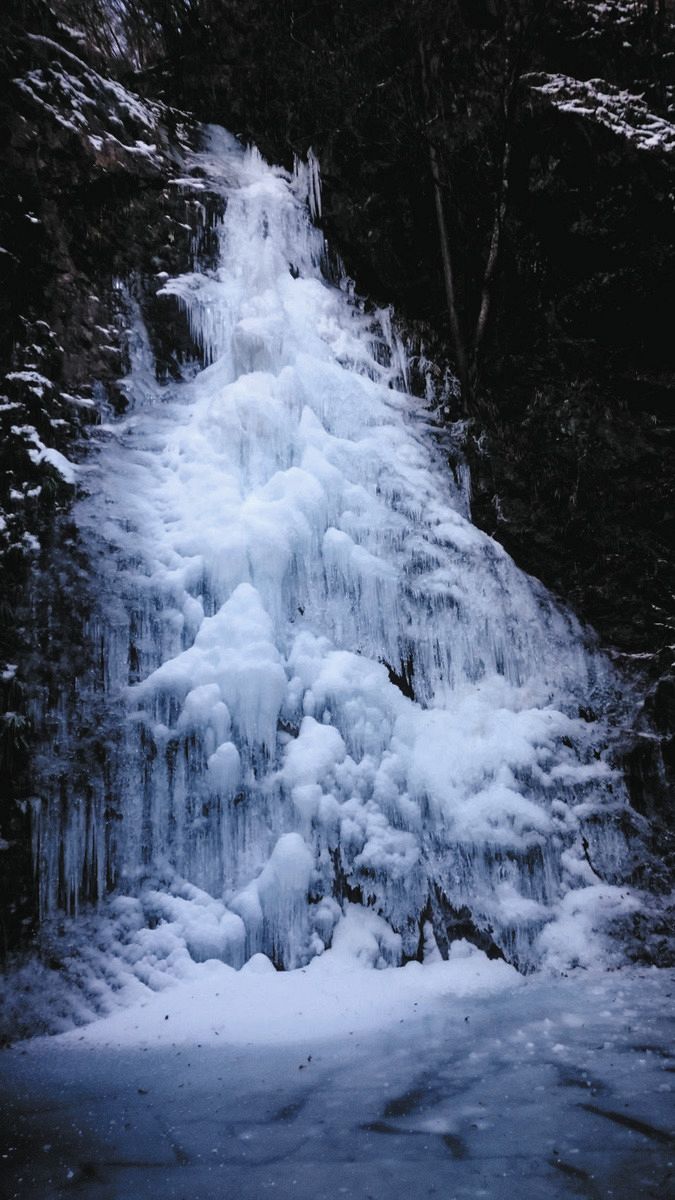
(334, 712)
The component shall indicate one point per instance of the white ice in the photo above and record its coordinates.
(336, 704)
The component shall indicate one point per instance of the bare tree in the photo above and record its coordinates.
(501, 44)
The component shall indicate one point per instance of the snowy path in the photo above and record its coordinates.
(557, 1088)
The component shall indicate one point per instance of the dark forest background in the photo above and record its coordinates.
(501, 171)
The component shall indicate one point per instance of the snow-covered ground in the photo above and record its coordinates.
(452, 1080)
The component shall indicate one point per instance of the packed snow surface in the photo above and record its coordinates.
(335, 712)
(335, 996)
(251, 1083)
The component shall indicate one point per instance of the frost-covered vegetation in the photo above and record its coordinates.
(622, 112)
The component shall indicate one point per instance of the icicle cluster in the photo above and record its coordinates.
(334, 694)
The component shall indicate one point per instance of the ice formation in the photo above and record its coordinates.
(334, 712)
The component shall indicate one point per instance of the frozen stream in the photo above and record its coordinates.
(558, 1088)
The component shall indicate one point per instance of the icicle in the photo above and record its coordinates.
(307, 183)
(314, 185)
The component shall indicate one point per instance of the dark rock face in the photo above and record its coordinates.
(89, 221)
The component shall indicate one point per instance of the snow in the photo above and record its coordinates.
(35, 381)
(40, 453)
(601, 16)
(432, 1081)
(85, 103)
(337, 994)
(624, 113)
(78, 401)
(576, 935)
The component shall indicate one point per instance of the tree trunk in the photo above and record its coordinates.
(457, 338)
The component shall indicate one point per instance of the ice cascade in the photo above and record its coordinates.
(336, 711)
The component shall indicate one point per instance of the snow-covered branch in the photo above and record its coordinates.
(600, 15)
(624, 113)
